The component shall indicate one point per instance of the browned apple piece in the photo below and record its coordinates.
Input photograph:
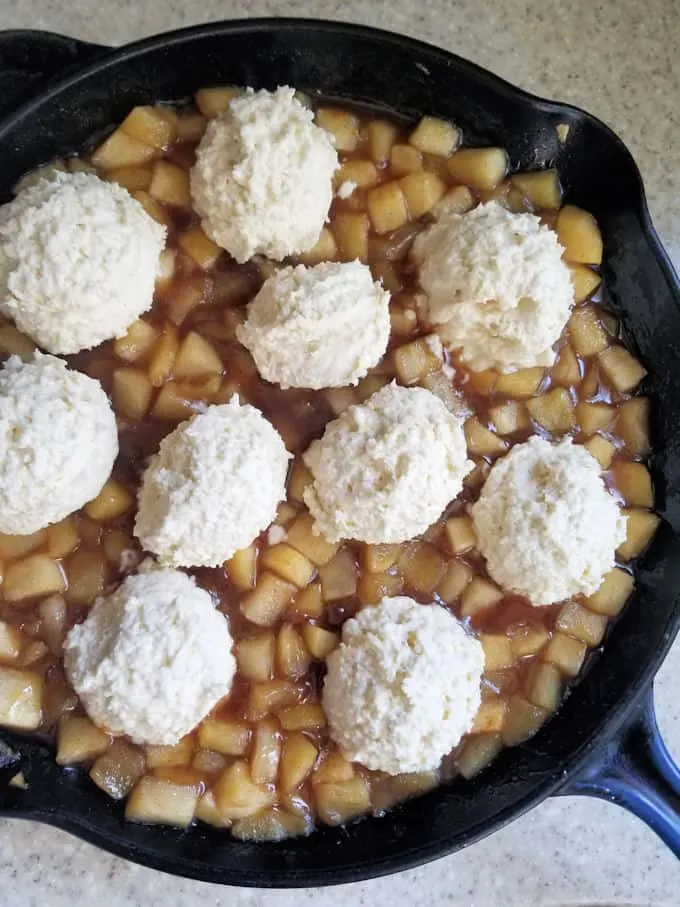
(360, 171)
(588, 335)
(11, 642)
(634, 484)
(481, 441)
(460, 533)
(118, 769)
(137, 343)
(255, 656)
(479, 168)
(458, 574)
(584, 280)
(387, 207)
(112, 501)
(199, 247)
(405, 159)
(544, 686)
(527, 639)
(299, 480)
(435, 136)
(301, 536)
(339, 576)
(554, 411)
(456, 200)
(152, 207)
(289, 564)
(498, 652)
(601, 449)
(264, 760)
(566, 653)
(224, 736)
(338, 802)
(479, 595)
(269, 698)
(31, 577)
(320, 642)
(342, 125)
(21, 695)
(87, 573)
(593, 417)
(640, 528)
(632, 425)
(477, 753)
(381, 136)
(307, 717)
(566, 371)
(297, 761)
(213, 101)
(581, 623)
(325, 249)
(121, 150)
(268, 600)
(542, 188)
(207, 811)
(196, 358)
(580, 236)
(180, 753)
(414, 361)
(308, 602)
(373, 587)
(621, 369)
(292, 656)
(152, 126)
(520, 384)
(350, 229)
(523, 720)
(131, 393)
(422, 191)
(237, 795)
(242, 567)
(613, 593)
(379, 558)
(14, 546)
(170, 185)
(163, 358)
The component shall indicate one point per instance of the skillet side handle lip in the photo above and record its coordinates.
(636, 771)
(30, 60)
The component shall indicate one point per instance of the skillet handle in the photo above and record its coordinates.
(636, 771)
(29, 60)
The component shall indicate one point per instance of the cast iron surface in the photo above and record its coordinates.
(384, 70)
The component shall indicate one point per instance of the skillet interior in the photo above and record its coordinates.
(384, 70)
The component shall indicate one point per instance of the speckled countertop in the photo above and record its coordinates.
(616, 58)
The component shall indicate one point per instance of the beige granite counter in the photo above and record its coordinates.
(616, 58)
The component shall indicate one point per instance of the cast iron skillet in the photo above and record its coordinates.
(56, 92)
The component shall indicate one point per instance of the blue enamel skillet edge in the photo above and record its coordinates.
(55, 93)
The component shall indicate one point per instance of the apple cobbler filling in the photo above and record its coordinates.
(262, 763)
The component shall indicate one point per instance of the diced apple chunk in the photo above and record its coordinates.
(137, 342)
(584, 280)
(11, 642)
(521, 384)
(343, 126)
(79, 740)
(422, 191)
(601, 449)
(297, 761)
(477, 753)
(237, 795)
(479, 595)
(300, 479)
(289, 564)
(554, 411)
(580, 236)
(121, 150)
(339, 576)
(361, 172)
(112, 501)
(623, 370)
(308, 716)
(207, 811)
(566, 653)
(242, 567)
(528, 639)
(132, 392)
(593, 417)
(581, 623)
(228, 737)
(481, 441)
(200, 247)
(163, 358)
(588, 335)
(13, 546)
(301, 536)
(268, 600)
(542, 188)
(522, 721)
(640, 528)
(461, 534)
(613, 593)
(405, 159)
(634, 483)
(387, 208)
(373, 587)
(87, 573)
(170, 185)
(309, 602)
(498, 653)
(273, 696)
(156, 800)
(292, 656)
(180, 753)
(213, 101)
(381, 136)
(320, 642)
(509, 417)
(173, 404)
(350, 230)
(325, 249)
(264, 761)
(544, 687)
(479, 168)
(422, 566)
(379, 558)
(458, 575)
(21, 694)
(255, 656)
(152, 207)
(31, 577)
(118, 769)
(340, 801)
(566, 371)
(632, 425)
(490, 717)
(196, 358)
(435, 136)
(415, 360)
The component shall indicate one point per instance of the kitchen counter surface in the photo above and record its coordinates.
(617, 60)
